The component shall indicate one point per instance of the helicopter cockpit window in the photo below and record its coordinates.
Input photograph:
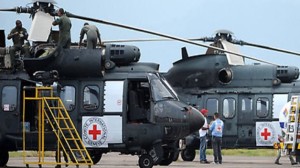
(67, 95)
(160, 91)
(9, 98)
(229, 108)
(91, 97)
(169, 86)
(262, 107)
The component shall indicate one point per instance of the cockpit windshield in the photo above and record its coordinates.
(161, 90)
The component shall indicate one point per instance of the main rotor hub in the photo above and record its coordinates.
(224, 34)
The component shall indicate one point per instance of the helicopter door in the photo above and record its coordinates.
(228, 109)
(10, 106)
(246, 122)
(104, 128)
(266, 130)
(138, 101)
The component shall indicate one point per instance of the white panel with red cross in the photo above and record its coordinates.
(101, 131)
(267, 133)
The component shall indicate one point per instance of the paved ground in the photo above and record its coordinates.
(114, 160)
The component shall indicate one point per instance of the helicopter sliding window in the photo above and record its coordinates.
(67, 95)
(91, 97)
(229, 109)
(262, 107)
(113, 96)
(160, 91)
(9, 98)
(247, 105)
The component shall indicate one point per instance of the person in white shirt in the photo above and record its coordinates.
(202, 135)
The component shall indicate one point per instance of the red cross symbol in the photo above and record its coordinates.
(265, 134)
(95, 132)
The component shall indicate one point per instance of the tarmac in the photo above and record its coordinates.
(115, 160)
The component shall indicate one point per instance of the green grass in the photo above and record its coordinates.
(246, 152)
(30, 154)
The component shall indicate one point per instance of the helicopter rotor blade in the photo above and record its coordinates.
(136, 40)
(265, 47)
(18, 10)
(207, 39)
(29, 10)
(8, 10)
(240, 42)
(204, 39)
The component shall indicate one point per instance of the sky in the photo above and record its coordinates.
(273, 23)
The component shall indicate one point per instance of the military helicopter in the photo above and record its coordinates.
(116, 103)
(245, 95)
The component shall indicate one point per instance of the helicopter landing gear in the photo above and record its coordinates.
(188, 154)
(3, 158)
(168, 158)
(95, 156)
(146, 161)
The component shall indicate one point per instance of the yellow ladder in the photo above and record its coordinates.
(292, 138)
(68, 139)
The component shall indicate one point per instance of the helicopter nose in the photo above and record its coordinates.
(196, 119)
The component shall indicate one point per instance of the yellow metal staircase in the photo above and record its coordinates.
(292, 135)
(51, 109)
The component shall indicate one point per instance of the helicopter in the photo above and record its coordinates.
(246, 96)
(116, 103)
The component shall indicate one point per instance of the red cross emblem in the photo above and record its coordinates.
(94, 132)
(265, 134)
(219, 128)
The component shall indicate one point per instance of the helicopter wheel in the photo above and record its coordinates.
(188, 154)
(95, 156)
(77, 155)
(168, 158)
(145, 161)
(3, 158)
(176, 156)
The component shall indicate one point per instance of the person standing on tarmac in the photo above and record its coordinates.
(92, 34)
(216, 129)
(281, 139)
(202, 136)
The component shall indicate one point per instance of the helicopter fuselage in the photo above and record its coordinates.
(245, 96)
(129, 109)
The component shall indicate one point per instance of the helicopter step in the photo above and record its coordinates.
(51, 109)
